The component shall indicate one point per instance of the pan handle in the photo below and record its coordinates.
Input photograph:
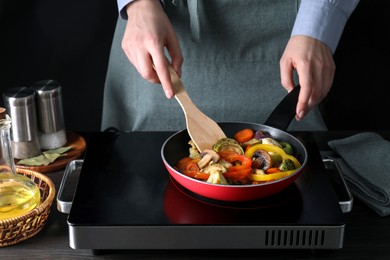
(339, 184)
(284, 112)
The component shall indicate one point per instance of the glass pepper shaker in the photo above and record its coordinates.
(18, 193)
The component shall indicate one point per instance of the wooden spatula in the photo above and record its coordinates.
(203, 131)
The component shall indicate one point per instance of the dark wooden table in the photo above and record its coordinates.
(367, 236)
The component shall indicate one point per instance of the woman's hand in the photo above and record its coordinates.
(148, 32)
(313, 61)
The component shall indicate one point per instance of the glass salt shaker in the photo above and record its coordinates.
(18, 193)
(51, 124)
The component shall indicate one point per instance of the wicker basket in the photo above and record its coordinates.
(17, 229)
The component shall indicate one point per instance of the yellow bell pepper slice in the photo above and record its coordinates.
(271, 176)
(274, 149)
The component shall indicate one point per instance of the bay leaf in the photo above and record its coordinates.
(45, 158)
(60, 150)
(37, 161)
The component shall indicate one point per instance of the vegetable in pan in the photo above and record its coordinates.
(248, 158)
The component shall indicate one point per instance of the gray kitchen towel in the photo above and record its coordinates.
(364, 160)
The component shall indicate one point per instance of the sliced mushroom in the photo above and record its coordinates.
(262, 160)
(271, 142)
(206, 157)
(253, 141)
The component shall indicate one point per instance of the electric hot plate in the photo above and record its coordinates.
(125, 199)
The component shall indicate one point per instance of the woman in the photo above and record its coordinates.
(233, 57)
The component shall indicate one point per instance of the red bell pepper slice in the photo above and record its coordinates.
(189, 167)
(241, 169)
(240, 162)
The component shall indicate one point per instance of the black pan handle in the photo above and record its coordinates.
(284, 112)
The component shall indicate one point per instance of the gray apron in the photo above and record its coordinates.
(231, 71)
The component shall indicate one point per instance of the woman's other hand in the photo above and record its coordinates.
(314, 64)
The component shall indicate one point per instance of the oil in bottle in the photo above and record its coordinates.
(18, 193)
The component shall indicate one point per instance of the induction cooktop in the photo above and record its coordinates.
(125, 199)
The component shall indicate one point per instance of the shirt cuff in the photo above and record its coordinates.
(323, 20)
(122, 7)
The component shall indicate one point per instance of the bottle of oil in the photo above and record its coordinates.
(18, 193)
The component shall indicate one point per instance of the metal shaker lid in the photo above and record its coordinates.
(49, 104)
(47, 89)
(19, 97)
(20, 104)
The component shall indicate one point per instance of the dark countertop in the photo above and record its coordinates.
(366, 235)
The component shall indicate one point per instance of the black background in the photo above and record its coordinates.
(65, 40)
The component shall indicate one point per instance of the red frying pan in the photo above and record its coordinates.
(176, 147)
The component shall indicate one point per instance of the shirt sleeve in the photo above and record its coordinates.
(123, 3)
(323, 20)
(121, 7)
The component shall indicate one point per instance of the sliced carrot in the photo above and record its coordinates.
(273, 170)
(182, 164)
(191, 166)
(244, 135)
(197, 175)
